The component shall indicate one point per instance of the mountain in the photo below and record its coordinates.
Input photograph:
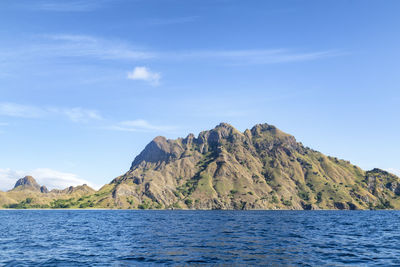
(29, 183)
(223, 168)
(261, 168)
(27, 193)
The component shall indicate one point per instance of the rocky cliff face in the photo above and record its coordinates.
(261, 168)
(27, 183)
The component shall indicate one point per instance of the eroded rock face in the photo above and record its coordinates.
(43, 189)
(124, 190)
(379, 181)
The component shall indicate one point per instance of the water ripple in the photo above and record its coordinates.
(223, 238)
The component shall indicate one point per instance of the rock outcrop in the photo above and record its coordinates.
(27, 183)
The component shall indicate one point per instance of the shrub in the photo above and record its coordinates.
(287, 202)
(144, 205)
(304, 195)
(189, 202)
(319, 197)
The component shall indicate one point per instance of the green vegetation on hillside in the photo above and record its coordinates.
(261, 168)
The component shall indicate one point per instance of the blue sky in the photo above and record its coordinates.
(85, 85)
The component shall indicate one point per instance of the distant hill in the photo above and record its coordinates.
(27, 193)
(261, 168)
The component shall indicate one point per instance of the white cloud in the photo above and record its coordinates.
(140, 126)
(52, 179)
(79, 114)
(76, 114)
(8, 178)
(144, 74)
(394, 171)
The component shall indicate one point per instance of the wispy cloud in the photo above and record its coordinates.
(52, 179)
(86, 46)
(141, 126)
(145, 74)
(69, 45)
(170, 21)
(83, 49)
(22, 111)
(68, 6)
(54, 47)
(252, 56)
(76, 114)
(4, 74)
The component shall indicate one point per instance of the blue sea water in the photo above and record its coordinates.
(224, 238)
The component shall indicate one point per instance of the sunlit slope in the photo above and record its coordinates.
(262, 168)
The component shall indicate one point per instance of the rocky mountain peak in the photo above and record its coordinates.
(43, 189)
(28, 182)
(259, 129)
(157, 150)
(160, 141)
(225, 126)
(226, 130)
(189, 139)
(221, 133)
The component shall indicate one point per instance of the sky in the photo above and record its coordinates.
(86, 84)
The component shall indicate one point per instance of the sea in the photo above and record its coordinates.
(199, 238)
